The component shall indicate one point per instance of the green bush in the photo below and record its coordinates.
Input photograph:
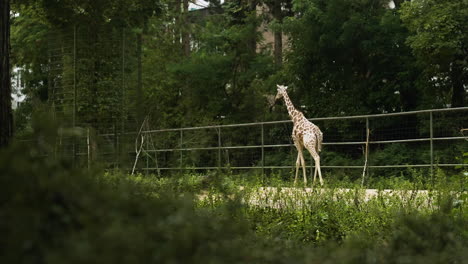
(53, 213)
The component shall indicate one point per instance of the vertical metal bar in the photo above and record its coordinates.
(51, 93)
(74, 92)
(74, 76)
(139, 82)
(122, 99)
(146, 152)
(431, 135)
(366, 153)
(181, 146)
(88, 148)
(49, 82)
(114, 139)
(263, 152)
(368, 131)
(219, 148)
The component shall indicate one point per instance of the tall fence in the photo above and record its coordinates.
(380, 144)
(89, 71)
(396, 141)
(384, 143)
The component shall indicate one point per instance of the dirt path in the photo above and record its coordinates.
(289, 197)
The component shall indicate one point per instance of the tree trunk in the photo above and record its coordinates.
(278, 34)
(185, 29)
(139, 88)
(6, 115)
(177, 18)
(278, 48)
(253, 39)
(458, 89)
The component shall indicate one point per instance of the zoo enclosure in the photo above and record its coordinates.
(417, 139)
(437, 135)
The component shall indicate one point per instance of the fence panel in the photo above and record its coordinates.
(397, 141)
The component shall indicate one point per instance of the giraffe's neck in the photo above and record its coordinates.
(291, 110)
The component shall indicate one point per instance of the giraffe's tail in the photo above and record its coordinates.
(319, 141)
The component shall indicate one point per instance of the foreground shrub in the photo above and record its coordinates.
(51, 213)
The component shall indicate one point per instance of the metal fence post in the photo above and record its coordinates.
(88, 148)
(431, 135)
(122, 99)
(117, 149)
(146, 152)
(219, 148)
(122, 108)
(74, 93)
(181, 145)
(366, 153)
(263, 152)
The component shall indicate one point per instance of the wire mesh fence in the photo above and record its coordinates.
(397, 141)
(92, 78)
(94, 81)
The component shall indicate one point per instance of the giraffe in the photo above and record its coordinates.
(304, 134)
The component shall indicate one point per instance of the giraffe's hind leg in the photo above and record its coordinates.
(298, 164)
(310, 143)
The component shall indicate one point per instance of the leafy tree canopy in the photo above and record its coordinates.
(439, 37)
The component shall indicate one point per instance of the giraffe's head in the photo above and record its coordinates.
(281, 91)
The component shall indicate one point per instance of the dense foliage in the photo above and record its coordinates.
(107, 66)
(52, 213)
(336, 49)
(440, 46)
